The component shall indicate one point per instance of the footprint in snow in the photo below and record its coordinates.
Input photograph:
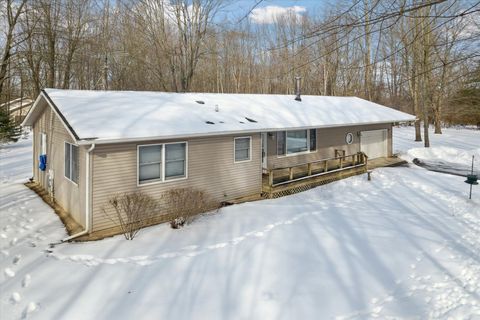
(26, 281)
(31, 307)
(13, 242)
(192, 247)
(40, 237)
(15, 298)
(16, 259)
(217, 246)
(9, 272)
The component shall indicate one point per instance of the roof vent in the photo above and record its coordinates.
(250, 120)
(200, 102)
(209, 122)
(297, 89)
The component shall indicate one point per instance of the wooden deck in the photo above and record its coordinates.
(287, 182)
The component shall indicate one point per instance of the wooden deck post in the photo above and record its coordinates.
(270, 177)
(290, 173)
(325, 169)
(341, 162)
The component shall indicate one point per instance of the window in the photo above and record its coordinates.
(71, 162)
(175, 161)
(150, 163)
(43, 143)
(161, 162)
(242, 149)
(296, 141)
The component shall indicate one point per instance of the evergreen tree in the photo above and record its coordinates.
(9, 130)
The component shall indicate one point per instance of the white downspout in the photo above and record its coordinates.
(87, 198)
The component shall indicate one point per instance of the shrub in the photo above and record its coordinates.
(185, 203)
(132, 211)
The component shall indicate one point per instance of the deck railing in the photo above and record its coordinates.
(328, 166)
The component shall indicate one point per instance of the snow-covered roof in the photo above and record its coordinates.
(136, 115)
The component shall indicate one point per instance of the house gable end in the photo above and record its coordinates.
(42, 102)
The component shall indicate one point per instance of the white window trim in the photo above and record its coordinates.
(64, 153)
(301, 152)
(249, 150)
(42, 145)
(162, 178)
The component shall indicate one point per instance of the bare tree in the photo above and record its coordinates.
(13, 11)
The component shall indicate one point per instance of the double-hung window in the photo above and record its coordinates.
(296, 141)
(242, 149)
(161, 162)
(175, 160)
(71, 162)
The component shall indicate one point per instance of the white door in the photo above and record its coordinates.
(264, 150)
(374, 143)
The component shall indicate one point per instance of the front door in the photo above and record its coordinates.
(264, 150)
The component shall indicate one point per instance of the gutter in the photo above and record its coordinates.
(87, 199)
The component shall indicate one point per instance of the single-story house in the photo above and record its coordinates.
(91, 145)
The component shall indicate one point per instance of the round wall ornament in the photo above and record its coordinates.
(349, 138)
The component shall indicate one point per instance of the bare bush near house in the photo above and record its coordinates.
(185, 203)
(133, 211)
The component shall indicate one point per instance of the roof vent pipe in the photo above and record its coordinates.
(297, 89)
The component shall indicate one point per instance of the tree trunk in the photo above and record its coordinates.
(438, 123)
(425, 129)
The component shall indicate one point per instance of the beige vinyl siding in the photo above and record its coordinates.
(210, 168)
(328, 139)
(68, 195)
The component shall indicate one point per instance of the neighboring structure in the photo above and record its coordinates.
(17, 108)
(100, 143)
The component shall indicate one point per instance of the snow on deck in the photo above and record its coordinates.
(405, 245)
(108, 115)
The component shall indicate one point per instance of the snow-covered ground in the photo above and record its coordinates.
(404, 245)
